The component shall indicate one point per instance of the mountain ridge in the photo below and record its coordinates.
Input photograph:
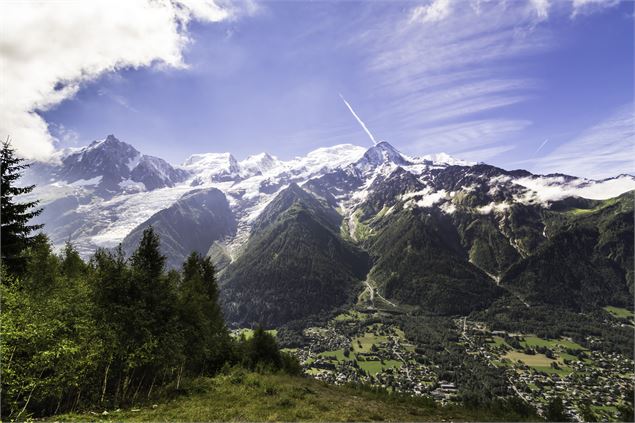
(443, 236)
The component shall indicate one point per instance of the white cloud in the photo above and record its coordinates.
(441, 79)
(542, 8)
(433, 12)
(49, 49)
(584, 7)
(463, 138)
(549, 189)
(452, 72)
(604, 150)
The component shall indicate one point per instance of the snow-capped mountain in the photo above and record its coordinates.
(102, 192)
(107, 167)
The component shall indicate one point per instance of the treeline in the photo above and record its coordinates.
(112, 331)
(552, 322)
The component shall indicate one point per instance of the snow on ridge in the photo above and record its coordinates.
(201, 161)
(129, 186)
(134, 161)
(86, 182)
(548, 189)
(130, 209)
(442, 158)
(428, 198)
(493, 207)
(328, 158)
(258, 163)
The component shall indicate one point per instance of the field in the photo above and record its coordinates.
(367, 342)
(536, 360)
(338, 354)
(619, 312)
(350, 315)
(498, 341)
(248, 333)
(534, 341)
(243, 396)
(374, 367)
(539, 362)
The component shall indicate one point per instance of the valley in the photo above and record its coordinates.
(367, 346)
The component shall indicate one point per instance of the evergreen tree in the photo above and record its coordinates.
(262, 351)
(206, 337)
(555, 411)
(154, 306)
(15, 234)
(72, 265)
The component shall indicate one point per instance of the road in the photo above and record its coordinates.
(373, 291)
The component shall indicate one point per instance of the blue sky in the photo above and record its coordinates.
(546, 86)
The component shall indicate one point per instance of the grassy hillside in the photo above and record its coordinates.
(242, 396)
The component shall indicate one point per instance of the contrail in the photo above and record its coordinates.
(542, 145)
(359, 120)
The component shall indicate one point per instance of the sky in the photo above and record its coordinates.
(544, 85)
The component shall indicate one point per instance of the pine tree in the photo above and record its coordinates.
(15, 234)
(555, 411)
(206, 337)
(147, 260)
(262, 351)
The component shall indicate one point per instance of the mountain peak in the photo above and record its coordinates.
(381, 153)
(258, 164)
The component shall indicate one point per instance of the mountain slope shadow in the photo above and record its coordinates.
(294, 265)
(192, 223)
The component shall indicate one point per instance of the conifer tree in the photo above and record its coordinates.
(204, 331)
(15, 234)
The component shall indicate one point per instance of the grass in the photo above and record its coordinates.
(534, 341)
(498, 341)
(563, 370)
(374, 367)
(367, 342)
(338, 354)
(619, 312)
(243, 396)
(350, 315)
(248, 333)
(598, 207)
(539, 360)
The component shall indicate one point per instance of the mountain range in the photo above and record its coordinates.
(345, 224)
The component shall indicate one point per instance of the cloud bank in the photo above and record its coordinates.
(49, 49)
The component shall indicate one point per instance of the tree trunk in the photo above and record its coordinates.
(152, 385)
(178, 380)
(103, 388)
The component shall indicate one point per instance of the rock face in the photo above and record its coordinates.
(295, 238)
(192, 223)
(112, 167)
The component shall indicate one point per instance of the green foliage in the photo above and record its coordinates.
(49, 340)
(238, 395)
(202, 327)
(555, 411)
(587, 262)
(15, 232)
(420, 261)
(108, 332)
(261, 352)
(296, 258)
